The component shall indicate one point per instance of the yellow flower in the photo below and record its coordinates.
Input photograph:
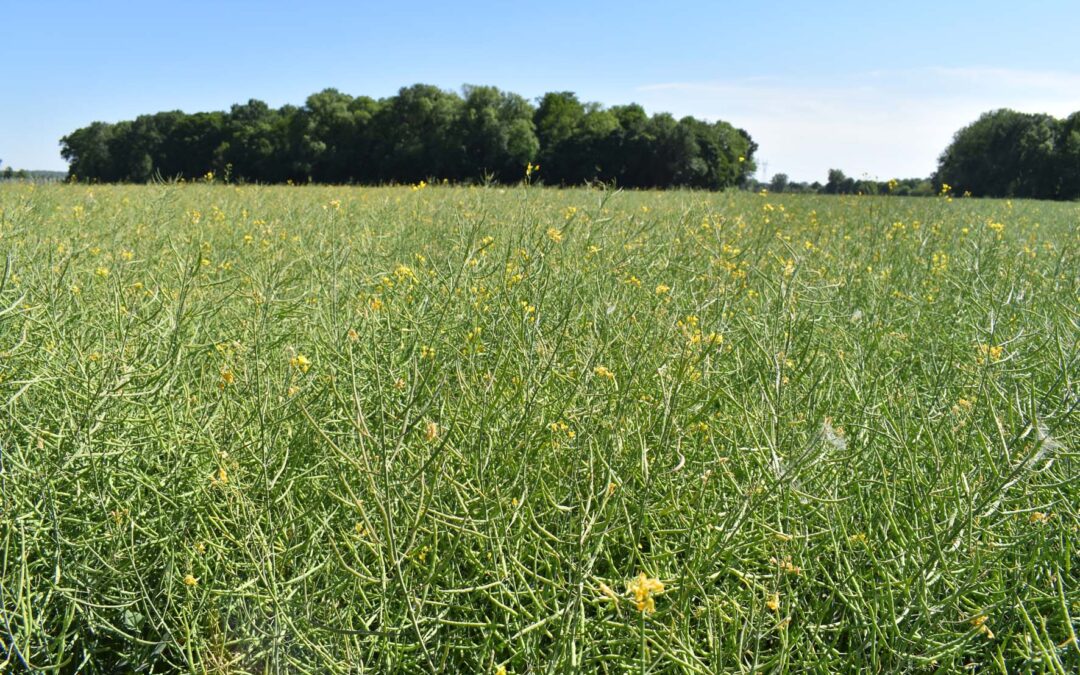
(190, 581)
(555, 234)
(773, 602)
(300, 362)
(961, 405)
(644, 588)
(939, 262)
(427, 352)
(431, 431)
(979, 623)
(102, 272)
(989, 353)
(601, 371)
(220, 476)
(501, 670)
(376, 304)
(662, 289)
(561, 427)
(530, 311)
(353, 335)
(227, 377)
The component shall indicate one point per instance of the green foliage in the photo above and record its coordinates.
(779, 182)
(1011, 154)
(421, 133)
(249, 429)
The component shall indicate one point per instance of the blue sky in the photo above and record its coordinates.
(873, 88)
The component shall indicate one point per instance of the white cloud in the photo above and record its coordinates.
(881, 124)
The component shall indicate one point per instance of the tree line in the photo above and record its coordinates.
(420, 133)
(840, 184)
(1012, 154)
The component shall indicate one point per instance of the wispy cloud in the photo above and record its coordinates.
(1051, 80)
(875, 123)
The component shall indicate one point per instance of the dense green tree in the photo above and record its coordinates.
(838, 183)
(1067, 164)
(558, 118)
(627, 149)
(421, 132)
(418, 135)
(87, 152)
(584, 155)
(497, 134)
(725, 151)
(1009, 154)
(255, 148)
(323, 133)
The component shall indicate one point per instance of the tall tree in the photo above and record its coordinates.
(1003, 154)
(1067, 164)
(557, 118)
(497, 133)
(418, 135)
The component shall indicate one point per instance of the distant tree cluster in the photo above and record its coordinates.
(840, 184)
(1012, 154)
(423, 132)
(9, 173)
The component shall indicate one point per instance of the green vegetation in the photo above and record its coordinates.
(483, 430)
(422, 133)
(1010, 154)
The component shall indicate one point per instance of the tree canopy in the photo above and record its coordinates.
(420, 133)
(1012, 154)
